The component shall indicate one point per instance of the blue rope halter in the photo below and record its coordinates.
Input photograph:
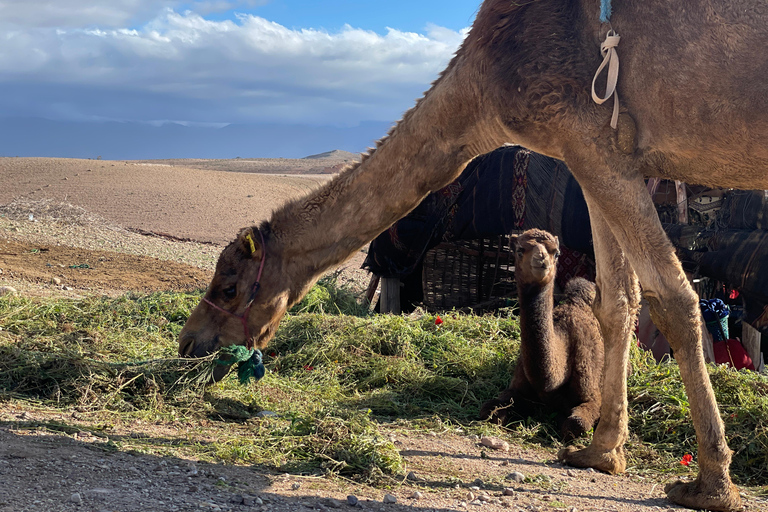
(605, 11)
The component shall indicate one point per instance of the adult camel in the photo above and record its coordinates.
(694, 96)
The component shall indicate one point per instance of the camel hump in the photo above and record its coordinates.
(580, 291)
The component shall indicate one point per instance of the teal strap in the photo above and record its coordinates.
(249, 362)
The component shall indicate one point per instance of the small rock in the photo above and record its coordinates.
(479, 482)
(7, 290)
(56, 281)
(352, 500)
(334, 503)
(508, 491)
(416, 495)
(470, 496)
(516, 477)
(265, 414)
(296, 486)
(390, 499)
(573, 509)
(66, 288)
(76, 499)
(495, 443)
(476, 503)
(412, 476)
(505, 463)
(571, 473)
(590, 470)
(484, 498)
(474, 488)
(249, 501)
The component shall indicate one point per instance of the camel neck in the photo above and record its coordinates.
(325, 228)
(536, 306)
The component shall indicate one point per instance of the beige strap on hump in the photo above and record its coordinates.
(610, 59)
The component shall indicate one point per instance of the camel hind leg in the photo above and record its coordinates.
(623, 215)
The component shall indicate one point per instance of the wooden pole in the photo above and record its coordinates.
(390, 295)
(682, 202)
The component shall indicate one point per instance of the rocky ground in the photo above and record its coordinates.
(81, 238)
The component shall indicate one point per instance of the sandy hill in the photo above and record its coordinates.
(329, 162)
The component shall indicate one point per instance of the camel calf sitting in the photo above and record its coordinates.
(560, 366)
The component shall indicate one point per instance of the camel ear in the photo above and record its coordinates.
(250, 243)
(513, 241)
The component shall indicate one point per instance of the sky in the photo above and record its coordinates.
(221, 62)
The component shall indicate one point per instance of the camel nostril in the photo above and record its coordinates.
(186, 344)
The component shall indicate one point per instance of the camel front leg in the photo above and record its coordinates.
(625, 208)
(615, 307)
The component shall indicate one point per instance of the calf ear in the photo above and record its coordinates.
(250, 243)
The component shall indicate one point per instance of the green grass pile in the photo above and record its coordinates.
(338, 379)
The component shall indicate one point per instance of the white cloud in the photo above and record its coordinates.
(221, 71)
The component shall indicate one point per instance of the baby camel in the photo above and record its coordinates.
(560, 366)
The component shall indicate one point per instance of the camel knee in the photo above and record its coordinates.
(616, 307)
(676, 313)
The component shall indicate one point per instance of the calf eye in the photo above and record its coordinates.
(230, 292)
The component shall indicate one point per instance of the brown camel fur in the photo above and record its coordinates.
(695, 97)
(560, 366)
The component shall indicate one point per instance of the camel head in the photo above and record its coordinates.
(244, 303)
(536, 254)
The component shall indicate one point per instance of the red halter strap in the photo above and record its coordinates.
(244, 317)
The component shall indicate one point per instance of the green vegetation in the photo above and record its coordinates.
(339, 380)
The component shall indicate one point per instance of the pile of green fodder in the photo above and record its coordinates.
(337, 376)
(98, 352)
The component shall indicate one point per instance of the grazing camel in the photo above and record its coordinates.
(560, 366)
(694, 100)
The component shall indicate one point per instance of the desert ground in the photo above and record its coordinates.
(146, 226)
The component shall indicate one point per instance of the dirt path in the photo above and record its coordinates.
(45, 470)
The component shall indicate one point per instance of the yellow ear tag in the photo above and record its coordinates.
(253, 245)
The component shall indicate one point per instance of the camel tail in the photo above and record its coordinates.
(579, 291)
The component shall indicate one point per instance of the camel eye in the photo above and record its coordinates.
(230, 292)
(557, 254)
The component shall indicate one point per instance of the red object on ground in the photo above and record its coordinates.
(731, 352)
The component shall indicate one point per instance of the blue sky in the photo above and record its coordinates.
(332, 15)
(219, 62)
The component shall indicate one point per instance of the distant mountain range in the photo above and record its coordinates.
(140, 141)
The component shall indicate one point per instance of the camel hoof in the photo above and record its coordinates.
(612, 462)
(693, 495)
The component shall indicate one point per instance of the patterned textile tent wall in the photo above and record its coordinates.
(459, 235)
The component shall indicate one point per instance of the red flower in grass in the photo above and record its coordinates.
(438, 321)
(687, 458)
(308, 368)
